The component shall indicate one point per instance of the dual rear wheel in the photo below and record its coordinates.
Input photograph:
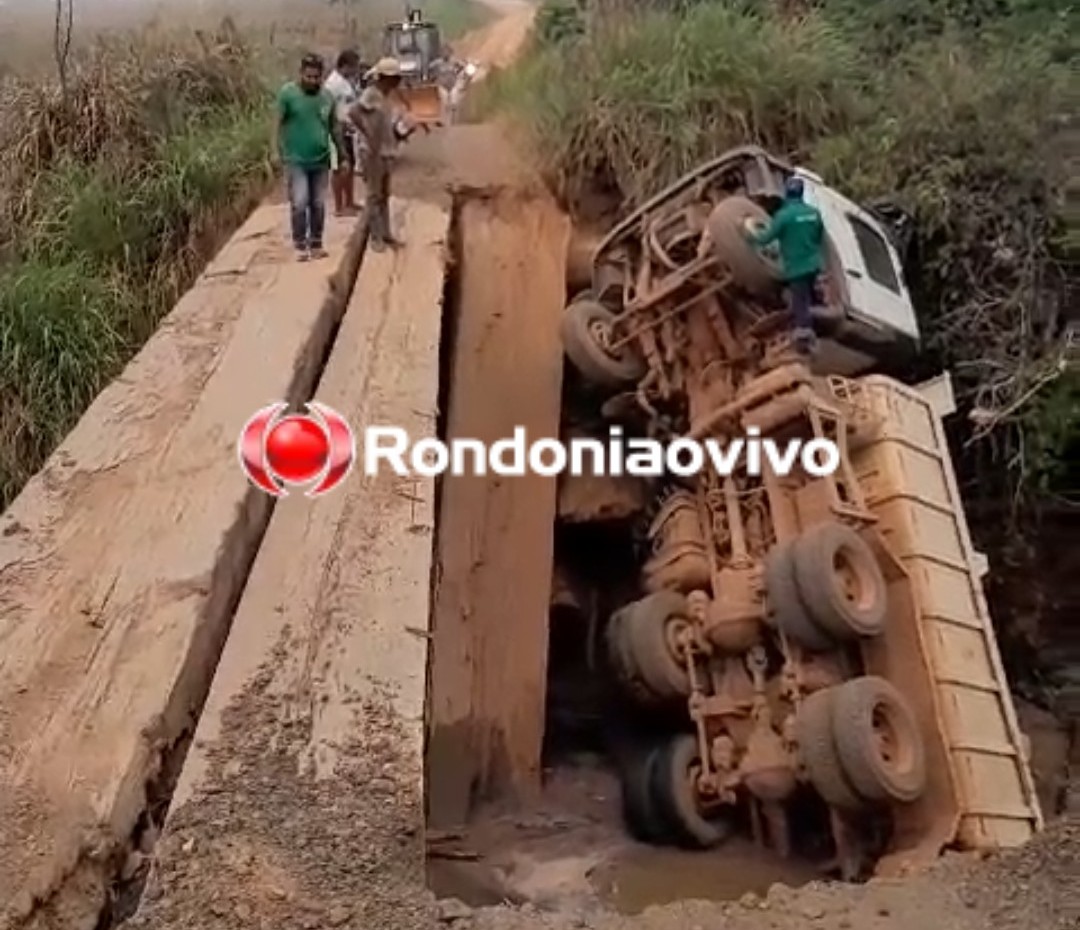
(661, 800)
(826, 587)
(860, 745)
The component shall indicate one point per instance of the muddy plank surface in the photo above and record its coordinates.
(301, 801)
(495, 533)
(121, 561)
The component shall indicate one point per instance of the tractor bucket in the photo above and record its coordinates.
(423, 102)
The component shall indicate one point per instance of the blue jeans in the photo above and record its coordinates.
(801, 299)
(307, 204)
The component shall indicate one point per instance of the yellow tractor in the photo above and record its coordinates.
(416, 44)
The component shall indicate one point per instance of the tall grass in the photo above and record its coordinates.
(113, 196)
(966, 127)
(109, 199)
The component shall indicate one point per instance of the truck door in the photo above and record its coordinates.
(872, 270)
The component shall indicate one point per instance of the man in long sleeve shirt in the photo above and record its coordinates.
(798, 228)
(376, 118)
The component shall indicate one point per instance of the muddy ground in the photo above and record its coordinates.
(277, 850)
(1033, 888)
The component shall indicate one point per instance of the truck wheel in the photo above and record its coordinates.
(650, 628)
(622, 661)
(818, 752)
(878, 740)
(840, 581)
(586, 333)
(728, 225)
(676, 795)
(640, 812)
(785, 607)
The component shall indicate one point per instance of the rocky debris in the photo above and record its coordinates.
(261, 845)
(452, 910)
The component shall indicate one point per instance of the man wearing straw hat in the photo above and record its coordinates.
(380, 128)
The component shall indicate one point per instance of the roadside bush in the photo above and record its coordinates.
(962, 121)
(109, 200)
(559, 21)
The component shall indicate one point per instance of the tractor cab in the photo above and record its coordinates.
(416, 44)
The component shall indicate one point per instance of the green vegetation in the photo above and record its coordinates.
(114, 195)
(955, 109)
(109, 201)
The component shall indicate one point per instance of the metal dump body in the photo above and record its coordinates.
(907, 476)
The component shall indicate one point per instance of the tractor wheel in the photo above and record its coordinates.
(676, 795)
(786, 609)
(586, 333)
(840, 581)
(728, 225)
(818, 752)
(878, 740)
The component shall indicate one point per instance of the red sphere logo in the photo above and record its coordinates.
(315, 448)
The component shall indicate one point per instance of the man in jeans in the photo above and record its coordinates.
(304, 128)
(800, 232)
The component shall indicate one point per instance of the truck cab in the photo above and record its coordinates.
(870, 318)
(686, 250)
(414, 43)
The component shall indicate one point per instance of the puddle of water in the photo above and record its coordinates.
(642, 876)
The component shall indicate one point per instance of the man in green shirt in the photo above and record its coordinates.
(304, 128)
(800, 232)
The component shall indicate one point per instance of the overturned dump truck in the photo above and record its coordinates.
(826, 638)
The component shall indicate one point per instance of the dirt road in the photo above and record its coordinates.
(498, 44)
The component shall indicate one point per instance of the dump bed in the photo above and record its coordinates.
(906, 472)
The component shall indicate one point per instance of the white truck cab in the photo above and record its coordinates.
(868, 273)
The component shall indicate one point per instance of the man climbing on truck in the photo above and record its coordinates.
(381, 128)
(798, 228)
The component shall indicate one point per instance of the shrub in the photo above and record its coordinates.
(106, 197)
(962, 126)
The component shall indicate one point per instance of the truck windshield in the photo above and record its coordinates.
(404, 43)
(427, 41)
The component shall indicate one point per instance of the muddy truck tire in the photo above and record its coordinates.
(676, 795)
(840, 581)
(647, 632)
(878, 740)
(728, 225)
(641, 813)
(622, 662)
(819, 754)
(786, 610)
(586, 332)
